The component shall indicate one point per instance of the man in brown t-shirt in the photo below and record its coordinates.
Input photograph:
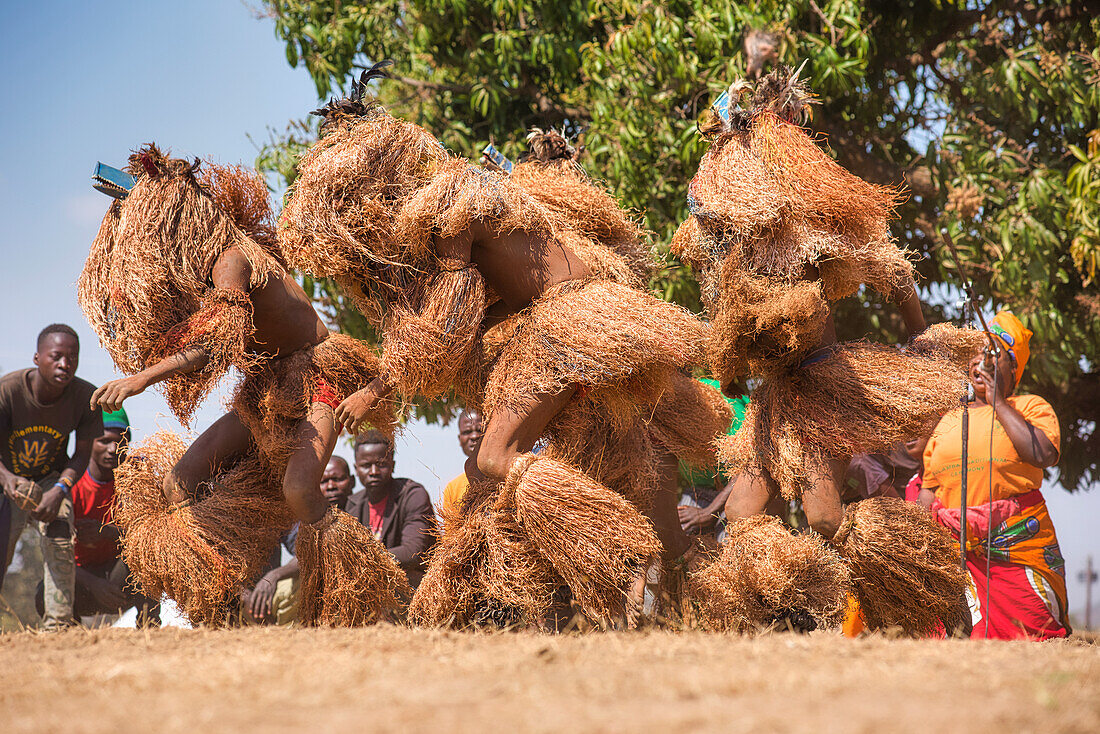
(39, 408)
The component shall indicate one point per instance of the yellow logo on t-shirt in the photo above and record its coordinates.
(33, 448)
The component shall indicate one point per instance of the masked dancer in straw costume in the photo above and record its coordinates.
(477, 286)
(689, 415)
(778, 231)
(184, 281)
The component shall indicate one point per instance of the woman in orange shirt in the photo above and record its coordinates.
(1026, 594)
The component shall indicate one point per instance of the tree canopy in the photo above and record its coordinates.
(988, 112)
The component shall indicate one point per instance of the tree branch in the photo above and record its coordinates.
(874, 169)
(426, 85)
(826, 21)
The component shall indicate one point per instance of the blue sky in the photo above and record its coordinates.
(90, 81)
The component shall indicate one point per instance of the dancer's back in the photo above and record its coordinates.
(284, 319)
(519, 266)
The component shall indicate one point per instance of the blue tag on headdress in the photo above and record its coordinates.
(722, 106)
(112, 181)
(497, 157)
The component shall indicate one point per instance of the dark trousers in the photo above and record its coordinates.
(5, 533)
(85, 604)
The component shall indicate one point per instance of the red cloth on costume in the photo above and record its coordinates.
(92, 501)
(325, 394)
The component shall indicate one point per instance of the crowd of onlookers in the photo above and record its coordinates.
(397, 510)
(1016, 569)
(68, 498)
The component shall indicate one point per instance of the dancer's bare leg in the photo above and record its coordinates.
(219, 444)
(663, 513)
(778, 507)
(513, 432)
(751, 495)
(316, 437)
(821, 500)
(666, 522)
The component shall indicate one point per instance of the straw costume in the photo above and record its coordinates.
(148, 290)
(374, 200)
(551, 173)
(778, 231)
(765, 577)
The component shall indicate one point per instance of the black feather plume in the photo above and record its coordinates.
(377, 71)
(357, 103)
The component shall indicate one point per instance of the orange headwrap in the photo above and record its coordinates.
(1015, 337)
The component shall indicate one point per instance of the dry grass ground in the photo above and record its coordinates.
(396, 679)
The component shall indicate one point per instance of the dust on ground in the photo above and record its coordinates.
(396, 679)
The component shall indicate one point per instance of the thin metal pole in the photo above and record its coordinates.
(963, 472)
(1090, 576)
(968, 288)
(965, 451)
(989, 513)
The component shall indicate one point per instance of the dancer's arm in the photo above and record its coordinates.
(110, 395)
(195, 337)
(909, 305)
(423, 350)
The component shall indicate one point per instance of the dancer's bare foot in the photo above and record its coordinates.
(635, 597)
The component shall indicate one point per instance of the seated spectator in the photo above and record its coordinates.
(103, 583)
(40, 408)
(705, 490)
(867, 475)
(904, 461)
(274, 598)
(702, 502)
(880, 475)
(470, 431)
(397, 510)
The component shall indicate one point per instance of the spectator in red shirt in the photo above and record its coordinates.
(397, 510)
(103, 585)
